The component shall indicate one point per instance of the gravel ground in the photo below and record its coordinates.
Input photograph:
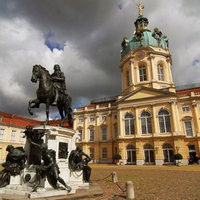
(150, 182)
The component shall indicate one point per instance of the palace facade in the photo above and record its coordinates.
(152, 119)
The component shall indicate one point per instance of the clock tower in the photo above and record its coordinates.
(145, 59)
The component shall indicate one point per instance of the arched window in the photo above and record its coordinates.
(164, 121)
(168, 153)
(146, 122)
(142, 73)
(160, 73)
(129, 124)
(131, 154)
(149, 154)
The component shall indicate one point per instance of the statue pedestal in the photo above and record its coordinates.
(62, 141)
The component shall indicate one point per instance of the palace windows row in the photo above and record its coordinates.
(146, 124)
(163, 121)
(91, 118)
(149, 154)
(148, 151)
(13, 135)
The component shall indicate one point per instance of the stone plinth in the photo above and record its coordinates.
(62, 141)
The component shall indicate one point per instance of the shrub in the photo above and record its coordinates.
(178, 156)
(117, 156)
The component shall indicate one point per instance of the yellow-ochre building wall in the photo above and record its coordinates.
(119, 142)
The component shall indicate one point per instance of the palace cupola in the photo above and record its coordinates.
(145, 58)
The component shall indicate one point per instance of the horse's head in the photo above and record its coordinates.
(35, 73)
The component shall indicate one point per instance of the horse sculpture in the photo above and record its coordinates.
(46, 94)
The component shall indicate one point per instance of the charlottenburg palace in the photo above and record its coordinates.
(152, 119)
(149, 122)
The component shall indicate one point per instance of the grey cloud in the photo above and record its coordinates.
(93, 30)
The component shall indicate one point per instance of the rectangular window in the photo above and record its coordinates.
(104, 132)
(104, 118)
(92, 153)
(127, 79)
(104, 153)
(115, 131)
(115, 116)
(80, 120)
(91, 118)
(81, 134)
(188, 128)
(142, 73)
(21, 139)
(13, 135)
(160, 73)
(185, 108)
(2, 133)
(91, 136)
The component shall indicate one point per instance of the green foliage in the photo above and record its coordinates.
(117, 156)
(178, 156)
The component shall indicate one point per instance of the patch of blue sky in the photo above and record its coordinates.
(196, 63)
(53, 43)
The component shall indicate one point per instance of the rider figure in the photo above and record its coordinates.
(58, 79)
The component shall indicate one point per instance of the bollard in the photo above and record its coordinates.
(129, 190)
(114, 177)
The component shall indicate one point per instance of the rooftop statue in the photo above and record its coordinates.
(140, 9)
(52, 92)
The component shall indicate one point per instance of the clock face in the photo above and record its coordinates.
(139, 55)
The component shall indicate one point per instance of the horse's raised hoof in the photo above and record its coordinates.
(31, 113)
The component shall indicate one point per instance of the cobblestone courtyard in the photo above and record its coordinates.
(150, 182)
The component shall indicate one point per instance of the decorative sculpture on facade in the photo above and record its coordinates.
(15, 163)
(78, 163)
(51, 92)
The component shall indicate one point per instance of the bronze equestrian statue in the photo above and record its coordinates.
(52, 92)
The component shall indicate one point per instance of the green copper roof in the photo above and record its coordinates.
(143, 37)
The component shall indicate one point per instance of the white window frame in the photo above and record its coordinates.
(21, 137)
(142, 73)
(91, 134)
(188, 131)
(80, 130)
(13, 135)
(2, 133)
(80, 120)
(104, 133)
(186, 108)
(160, 72)
(92, 119)
(103, 117)
(129, 124)
(104, 153)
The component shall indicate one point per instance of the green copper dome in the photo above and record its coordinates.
(143, 37)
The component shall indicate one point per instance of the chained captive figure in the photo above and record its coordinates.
(58, 78)
(48, 168)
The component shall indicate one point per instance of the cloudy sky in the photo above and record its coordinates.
(84, 38)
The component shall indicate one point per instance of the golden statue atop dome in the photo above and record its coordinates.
(140, 8)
